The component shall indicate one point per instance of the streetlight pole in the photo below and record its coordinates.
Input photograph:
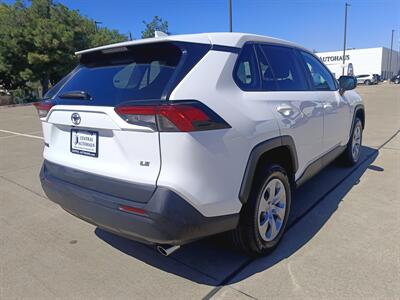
(97, 23)
(230, 15)
(397, 62)
(345, 33)
(390, 57)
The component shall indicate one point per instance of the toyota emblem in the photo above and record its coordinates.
(76, 118)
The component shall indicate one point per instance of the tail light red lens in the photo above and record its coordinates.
(170, 116)
(43, 108)
(131, 209)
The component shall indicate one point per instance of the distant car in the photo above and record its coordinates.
(377, 77)
(395, 79)
(4, 92)
(366, 79)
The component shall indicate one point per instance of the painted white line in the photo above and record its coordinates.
(14, 136)
(22, 134)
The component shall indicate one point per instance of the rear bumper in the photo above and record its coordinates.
(168, 219)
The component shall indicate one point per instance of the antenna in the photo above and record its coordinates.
(159, 34)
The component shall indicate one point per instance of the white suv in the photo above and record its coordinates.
(170, 139)
(367, 79)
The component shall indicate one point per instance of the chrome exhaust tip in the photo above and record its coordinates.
(166, 251)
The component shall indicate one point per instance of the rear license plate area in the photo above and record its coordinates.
(84, 142)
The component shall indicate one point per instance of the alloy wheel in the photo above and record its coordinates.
(271, 210)
(356, 142)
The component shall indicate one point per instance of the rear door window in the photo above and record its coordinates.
(141, 72)
(285, 67)
(268, 82)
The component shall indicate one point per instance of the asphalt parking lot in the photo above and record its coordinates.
(342, 241)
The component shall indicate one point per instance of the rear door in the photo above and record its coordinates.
(83, 131)
(297, 109)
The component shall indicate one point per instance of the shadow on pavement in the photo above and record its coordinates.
(210, 261)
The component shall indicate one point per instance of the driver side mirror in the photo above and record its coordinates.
(347, 83)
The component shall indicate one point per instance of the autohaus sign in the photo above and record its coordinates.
(334, 58)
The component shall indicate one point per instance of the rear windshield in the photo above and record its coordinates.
(117, 75)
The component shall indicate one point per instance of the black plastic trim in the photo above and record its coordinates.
(254, 157)
(356, 109)
(225, 48)
(168, 218)
(316, 166)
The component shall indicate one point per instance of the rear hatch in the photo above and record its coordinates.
(84, 131)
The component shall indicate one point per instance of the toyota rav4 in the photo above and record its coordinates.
(170, 139)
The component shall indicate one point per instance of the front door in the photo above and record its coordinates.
(336, 108)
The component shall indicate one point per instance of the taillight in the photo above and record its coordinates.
(43, 108)
(170, 116)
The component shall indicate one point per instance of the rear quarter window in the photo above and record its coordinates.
(245, 72)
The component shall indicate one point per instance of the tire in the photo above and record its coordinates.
(367, 82)
(254, 234)
(397, 81)
(352, 153)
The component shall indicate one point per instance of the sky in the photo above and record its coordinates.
(315, 24)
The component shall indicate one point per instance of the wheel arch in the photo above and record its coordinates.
(360, 113)
(280, 149)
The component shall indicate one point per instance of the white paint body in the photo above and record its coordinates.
(206, 168)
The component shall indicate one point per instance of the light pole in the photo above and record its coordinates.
(97, 23)
(345, 33)
(390, 56)
(230, 15)
(397, 61)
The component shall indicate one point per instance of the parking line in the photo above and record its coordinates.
(21, 134)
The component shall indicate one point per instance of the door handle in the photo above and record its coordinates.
(285, 110)
(327, 106)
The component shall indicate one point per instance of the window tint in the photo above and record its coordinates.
(55, 88)
(267, 76)
(288, 74)
(246, 72)
(136, 73)
(321, 78)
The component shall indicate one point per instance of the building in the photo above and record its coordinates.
(362, 61)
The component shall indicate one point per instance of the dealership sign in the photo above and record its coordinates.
(333, 58)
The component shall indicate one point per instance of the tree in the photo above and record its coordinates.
(37, 42)
(157, 24)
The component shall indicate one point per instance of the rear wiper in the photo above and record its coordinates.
(82, 95)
